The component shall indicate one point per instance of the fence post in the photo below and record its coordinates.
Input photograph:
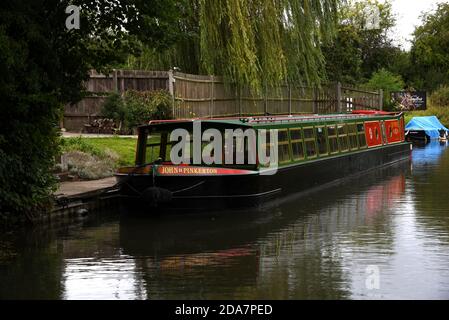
(315, 100)
(171, 89)
(211, 104)
(114, 80)
(381, 99)
(289, 99)
(122, 81)
(265, 100)
(239, 97)
(339, 104)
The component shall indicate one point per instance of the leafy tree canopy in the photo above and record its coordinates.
(249, 42)
(363, 43)
(43, 65)
(388, 82)
(430, 50)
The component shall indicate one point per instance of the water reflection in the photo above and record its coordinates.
(317, 246)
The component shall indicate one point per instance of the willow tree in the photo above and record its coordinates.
(266, 42)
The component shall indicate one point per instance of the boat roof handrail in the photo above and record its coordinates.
(279, 118)
(308, 118)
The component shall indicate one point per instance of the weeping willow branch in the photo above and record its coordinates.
(265, 42)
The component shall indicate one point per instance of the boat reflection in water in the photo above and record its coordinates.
(295, 250)
(428, 154)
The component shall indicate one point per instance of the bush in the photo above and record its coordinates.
(388, 82)
(440, 97)
(87, 161)
(90, 167)
(145, 106)
(137, 107)
(114, 108)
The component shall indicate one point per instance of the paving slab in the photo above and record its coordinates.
(72, 188)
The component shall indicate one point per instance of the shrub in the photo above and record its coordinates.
(143, 106)
(138, 107)
(388, 82)
(89, 167)
(161, 105)
(114, 108)
(440, 97)
(87, 161)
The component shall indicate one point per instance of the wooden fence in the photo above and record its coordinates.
(208, 96)
(99, 86)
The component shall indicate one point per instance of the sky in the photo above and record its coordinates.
(408, 14)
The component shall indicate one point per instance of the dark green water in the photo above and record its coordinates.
(381, 235)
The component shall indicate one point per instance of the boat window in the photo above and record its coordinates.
(343, 137)
(321, 139)
(284, 147)
(352, 133)
(152, 152)
(310, 143)
(297, 144)
(333, 139)
(361, 135)
(308, 133)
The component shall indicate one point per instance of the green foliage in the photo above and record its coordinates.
(43, 66)
(184, 53)
(388, 82)
(145, 106)
(344, 56)
(256, 42)
(249, 42)
(440, 97)
(114, 108)
(430, 50)
(138, 107)
(360, 49)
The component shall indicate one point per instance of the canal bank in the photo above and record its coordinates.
(76, 199)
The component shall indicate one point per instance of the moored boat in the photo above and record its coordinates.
(426, 129)
(309, 151)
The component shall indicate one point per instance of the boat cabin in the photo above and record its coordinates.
(300, 138)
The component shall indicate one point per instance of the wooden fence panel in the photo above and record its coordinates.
(356, 99)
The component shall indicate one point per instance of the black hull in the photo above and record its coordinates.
(212, 193)
(417, 136)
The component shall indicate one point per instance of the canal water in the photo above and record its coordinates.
(380, 235)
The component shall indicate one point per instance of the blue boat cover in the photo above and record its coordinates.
(431, 125)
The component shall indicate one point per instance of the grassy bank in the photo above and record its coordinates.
(442, 114)
(96, 158)
(124, 148)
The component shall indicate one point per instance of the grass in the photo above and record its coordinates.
(442, 113)
(125, 148)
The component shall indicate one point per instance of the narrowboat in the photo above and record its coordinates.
(311, 150)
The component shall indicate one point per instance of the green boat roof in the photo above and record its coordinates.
(281, 121)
